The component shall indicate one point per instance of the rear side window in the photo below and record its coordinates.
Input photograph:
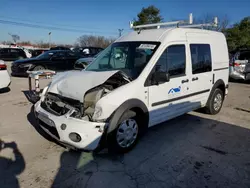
(14, 50)
(201, 58)
(244, 56)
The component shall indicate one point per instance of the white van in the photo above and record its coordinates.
(142, 79)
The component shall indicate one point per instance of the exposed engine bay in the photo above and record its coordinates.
(60, 105)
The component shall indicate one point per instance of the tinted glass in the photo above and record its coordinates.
(93, 51)
(201, 58)
(244, 56)
(4, 50)
(14, 50)
(71, 54)
(46, 55)
(59, 54)
(173, 60)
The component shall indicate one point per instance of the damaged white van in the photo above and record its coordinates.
(142, 79)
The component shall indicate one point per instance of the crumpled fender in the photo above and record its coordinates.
(74, 84)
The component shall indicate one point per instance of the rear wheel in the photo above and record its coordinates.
(126, 135)
(215, 102)
(38, 68)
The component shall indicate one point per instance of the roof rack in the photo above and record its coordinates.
(181, 23)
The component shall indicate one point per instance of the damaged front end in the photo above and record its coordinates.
(71, 120)
(60, 105)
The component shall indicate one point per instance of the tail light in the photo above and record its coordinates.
(3, 67)
(236, 64)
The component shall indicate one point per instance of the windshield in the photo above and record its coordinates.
(45, 55)
(130, 57)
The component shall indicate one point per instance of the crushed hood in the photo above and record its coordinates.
(74, 84)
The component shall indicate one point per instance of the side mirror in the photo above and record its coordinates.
(160, 77)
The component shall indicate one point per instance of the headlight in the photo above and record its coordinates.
(97, 113)
(45, 90)
(25, 65)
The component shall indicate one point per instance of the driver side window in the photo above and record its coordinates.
(172, 61)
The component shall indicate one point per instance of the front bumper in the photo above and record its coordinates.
(90, 132)
(17, 71)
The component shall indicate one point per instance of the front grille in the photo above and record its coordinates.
(54, 109)
(52, 130)
(59, 105)
(14, 68)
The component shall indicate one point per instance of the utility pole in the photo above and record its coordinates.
(120, 32)
(49, 39)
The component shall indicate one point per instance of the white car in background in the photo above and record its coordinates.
(4, 75)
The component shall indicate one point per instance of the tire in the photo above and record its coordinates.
(38, 68)
(126, 134)
(215, 102)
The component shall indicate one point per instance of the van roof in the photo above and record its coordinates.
(159, 35)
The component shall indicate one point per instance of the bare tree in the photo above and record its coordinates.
(42, 44)
(6, 42)
(95, 41)
(223, 21)
(15, 38)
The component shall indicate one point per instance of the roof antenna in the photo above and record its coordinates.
(190, 21)
(216, 21)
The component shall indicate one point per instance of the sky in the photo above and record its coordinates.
(69, 19)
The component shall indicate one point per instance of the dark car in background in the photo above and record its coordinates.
(11, 54)
(58, 60)
(87, 51)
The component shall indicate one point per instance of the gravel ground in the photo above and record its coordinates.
(194, 150)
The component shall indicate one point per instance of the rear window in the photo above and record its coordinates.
(4, 50)
(244, 56)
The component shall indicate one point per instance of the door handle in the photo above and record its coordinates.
(194, 79)
(183, 81)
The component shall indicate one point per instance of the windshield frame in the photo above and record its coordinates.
(129, 44)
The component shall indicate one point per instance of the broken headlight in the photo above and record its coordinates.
(97, 113)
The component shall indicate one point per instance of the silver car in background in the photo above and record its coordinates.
(83, 62)
(239, 67)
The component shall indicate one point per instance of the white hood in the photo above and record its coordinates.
(75, 84)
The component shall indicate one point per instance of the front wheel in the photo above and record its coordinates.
(38, 68)
(215, 102)
(126, 135)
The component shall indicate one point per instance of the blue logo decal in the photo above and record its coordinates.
(174, 90)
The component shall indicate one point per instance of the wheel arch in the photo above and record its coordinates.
(218, 84)
(40, 64)
(134, 105)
